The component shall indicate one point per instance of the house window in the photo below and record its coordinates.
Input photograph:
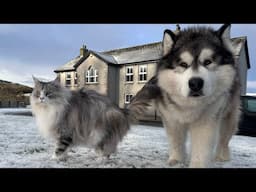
(91, 75)
(143, 73)
(75, 79)
(129, 74)
(68, 79)
(128, 98)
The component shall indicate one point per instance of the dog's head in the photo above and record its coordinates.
(197, 62)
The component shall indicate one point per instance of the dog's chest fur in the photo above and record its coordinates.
(189, 111)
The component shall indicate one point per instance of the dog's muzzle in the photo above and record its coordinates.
(196, 85)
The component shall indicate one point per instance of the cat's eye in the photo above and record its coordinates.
(47, 94)
(183, 64)
(207, 62)
(37, 94)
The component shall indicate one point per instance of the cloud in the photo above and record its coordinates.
(25, 51)
(22, 78)
(16, 71)
(14, 77)
(251, 84)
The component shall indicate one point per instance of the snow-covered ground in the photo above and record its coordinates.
(144, 146)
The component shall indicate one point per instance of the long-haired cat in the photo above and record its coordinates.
(79, 117)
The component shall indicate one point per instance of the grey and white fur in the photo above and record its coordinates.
(82, 117)
(196, 90)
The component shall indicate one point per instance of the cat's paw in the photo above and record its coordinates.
(99, 152)
(62, 157)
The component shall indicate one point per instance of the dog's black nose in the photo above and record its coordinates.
(196, 84)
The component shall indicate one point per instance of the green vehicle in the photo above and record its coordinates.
(247, 125)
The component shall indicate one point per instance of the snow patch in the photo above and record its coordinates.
(21, 146)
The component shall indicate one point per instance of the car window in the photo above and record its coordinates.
(251, 107)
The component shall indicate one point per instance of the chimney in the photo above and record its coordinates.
(83, 50)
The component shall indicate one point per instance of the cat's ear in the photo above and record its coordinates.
(56, 81)
(36, 81)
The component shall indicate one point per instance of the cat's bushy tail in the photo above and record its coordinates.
(141, 101)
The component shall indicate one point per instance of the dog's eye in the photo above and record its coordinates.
(207, 62)
(183, 64)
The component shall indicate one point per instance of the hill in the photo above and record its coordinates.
(9, 90)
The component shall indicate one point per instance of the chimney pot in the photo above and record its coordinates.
(83, 50)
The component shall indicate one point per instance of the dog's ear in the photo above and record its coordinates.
(36, 81)
(168, 41)
(224, 32)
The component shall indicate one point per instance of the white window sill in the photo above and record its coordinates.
(91, 83)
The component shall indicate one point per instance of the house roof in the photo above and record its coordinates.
(105, 57)
(238, 49)
(74, 63)
(137, 54)
(69, 66)
(146, 52)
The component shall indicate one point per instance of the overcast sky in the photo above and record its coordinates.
(38, 49)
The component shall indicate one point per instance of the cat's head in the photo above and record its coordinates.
(47, 93)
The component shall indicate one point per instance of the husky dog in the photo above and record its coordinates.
(196, 90)
(78, 117)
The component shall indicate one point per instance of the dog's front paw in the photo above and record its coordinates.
(174, 162)
(199, 164)
(223, 155)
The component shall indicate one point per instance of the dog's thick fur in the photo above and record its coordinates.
(196, 90)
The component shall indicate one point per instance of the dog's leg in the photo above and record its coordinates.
(228, 127)
(177, 137)
(204, 137)
(227, 130)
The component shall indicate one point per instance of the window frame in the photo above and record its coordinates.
(130, 75)
(143, 73)
(68, 79)
(129, 98)
(75, 79)
(94, 76)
